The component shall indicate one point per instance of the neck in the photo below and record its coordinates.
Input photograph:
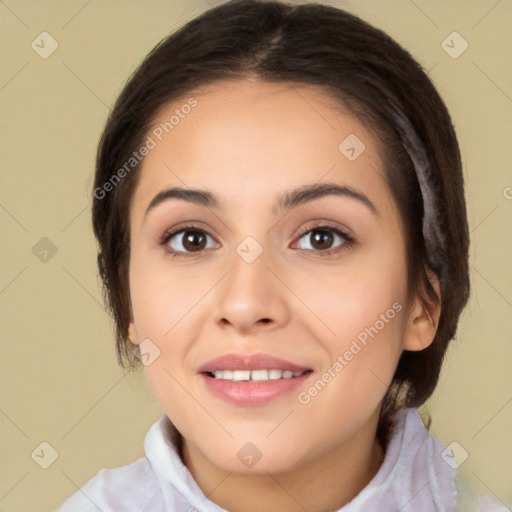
(323, 484)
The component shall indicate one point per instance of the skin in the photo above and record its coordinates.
(248, 142)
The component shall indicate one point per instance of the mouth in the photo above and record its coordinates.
(255, 375)
(250, 380)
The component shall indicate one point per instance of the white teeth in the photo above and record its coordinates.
(257, 375)
(241, 375)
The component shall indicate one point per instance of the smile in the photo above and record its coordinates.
(252, 379)
(254, 375)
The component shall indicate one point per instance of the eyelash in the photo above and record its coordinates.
(347, 244)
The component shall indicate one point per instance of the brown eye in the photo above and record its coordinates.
(187, 241)
(193, 240)
(321, 239)
(324, 238)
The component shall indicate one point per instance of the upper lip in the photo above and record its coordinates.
(235, 361)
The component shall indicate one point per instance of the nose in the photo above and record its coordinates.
(251, 298)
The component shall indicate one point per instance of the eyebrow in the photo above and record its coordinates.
(287, 201)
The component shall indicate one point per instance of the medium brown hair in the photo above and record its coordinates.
(370, 75)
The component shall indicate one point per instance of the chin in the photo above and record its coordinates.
(255, 458)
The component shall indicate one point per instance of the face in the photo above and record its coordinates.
(266, 278)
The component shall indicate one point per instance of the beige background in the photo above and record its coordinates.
(59, 378)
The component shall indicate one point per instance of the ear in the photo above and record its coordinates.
(423, 318)
(132, 334)
(132, 330)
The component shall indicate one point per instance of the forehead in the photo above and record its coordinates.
(250, 140)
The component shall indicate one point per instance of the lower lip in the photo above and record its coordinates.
(252, 392)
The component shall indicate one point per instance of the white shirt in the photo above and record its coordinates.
(414, 477)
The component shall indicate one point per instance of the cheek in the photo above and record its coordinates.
(159, 311)
(161, 295)
(368, 319)
(356, 297)
(362, 311)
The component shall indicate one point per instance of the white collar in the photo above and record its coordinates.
(412, 477)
